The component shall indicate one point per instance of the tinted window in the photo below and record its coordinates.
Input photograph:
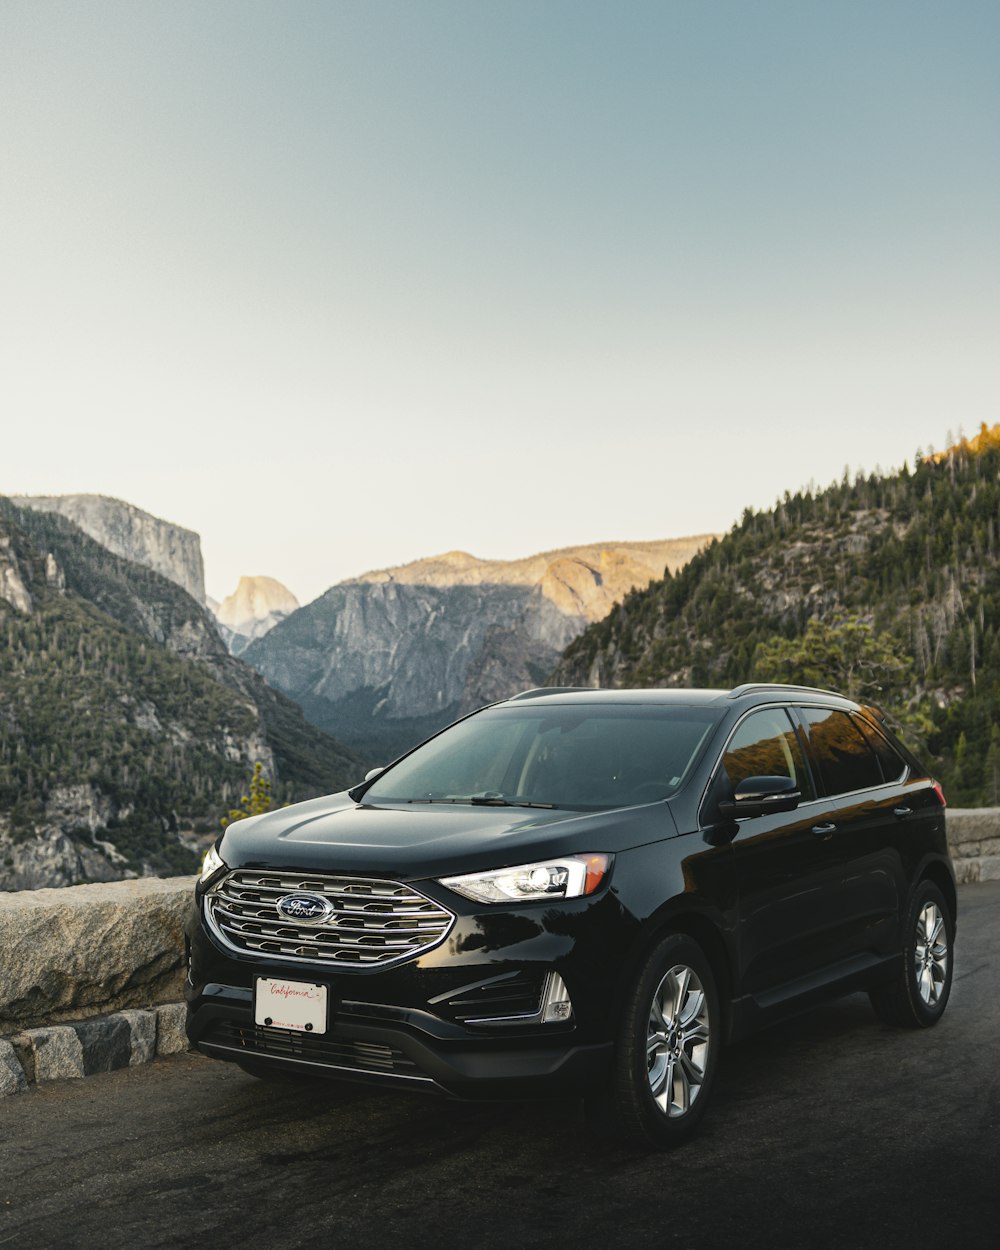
(840, 752)
(891, 761)
(578, 756)
(766, 745)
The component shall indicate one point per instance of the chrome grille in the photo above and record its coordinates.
(375, 923)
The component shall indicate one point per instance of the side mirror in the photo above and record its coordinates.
(759, 796)
(372, 773)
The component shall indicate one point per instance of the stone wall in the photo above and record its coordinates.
(974, 838)
(88, 950)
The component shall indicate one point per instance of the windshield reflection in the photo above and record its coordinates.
(583, 758)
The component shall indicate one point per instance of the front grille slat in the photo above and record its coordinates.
(263, 915)
(348, 886)
(338, 942)
(374, 922)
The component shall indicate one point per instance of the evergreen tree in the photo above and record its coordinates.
(847, 655)
(257, 802)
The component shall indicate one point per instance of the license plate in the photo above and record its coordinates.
(281, 1004)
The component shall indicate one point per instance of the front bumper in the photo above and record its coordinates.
(461, 1018)
(392, 1051)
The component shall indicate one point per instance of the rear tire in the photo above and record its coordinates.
(916, 999)
(666, 1052)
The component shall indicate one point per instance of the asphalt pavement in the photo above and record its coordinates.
(832, 1131)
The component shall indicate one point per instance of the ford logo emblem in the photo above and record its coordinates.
(305, 908)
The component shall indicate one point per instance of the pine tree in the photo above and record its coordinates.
(257, 802)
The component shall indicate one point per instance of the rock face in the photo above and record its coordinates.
(383, 659)
(134, 535)
(255, 606)
(80, 952)
(56, 858)
(12, 588)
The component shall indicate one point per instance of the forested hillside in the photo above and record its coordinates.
(123, 719)
(908, 563)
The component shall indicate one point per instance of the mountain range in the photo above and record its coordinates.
(128, 723)
(387, 658)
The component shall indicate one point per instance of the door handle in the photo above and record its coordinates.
(901, 813)
(824, 831)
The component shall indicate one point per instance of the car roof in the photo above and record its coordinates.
(744, 695)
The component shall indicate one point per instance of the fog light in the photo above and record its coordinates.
(556, 1006)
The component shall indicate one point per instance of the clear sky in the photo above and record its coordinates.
(340, 285)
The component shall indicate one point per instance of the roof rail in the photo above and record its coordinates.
(752, 687)
(540, 691)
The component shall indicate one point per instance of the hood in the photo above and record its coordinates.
(409, 842)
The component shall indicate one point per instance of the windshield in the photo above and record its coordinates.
(585, 757)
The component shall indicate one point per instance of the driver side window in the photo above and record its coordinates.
(766, 745)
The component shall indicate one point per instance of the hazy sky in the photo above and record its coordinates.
(340, 285)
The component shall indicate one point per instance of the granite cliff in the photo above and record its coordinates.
(255, 607)
(386, 658)
(134, 535)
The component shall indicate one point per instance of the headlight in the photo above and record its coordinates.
(568, 877)
(211, 864)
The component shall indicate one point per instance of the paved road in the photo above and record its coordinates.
(832, 1132)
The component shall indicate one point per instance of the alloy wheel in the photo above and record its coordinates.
(931, 957)
(677, 1041)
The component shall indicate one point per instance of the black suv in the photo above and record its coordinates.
(581, 890)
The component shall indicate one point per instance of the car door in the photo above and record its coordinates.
(788, 869)
(867, 812)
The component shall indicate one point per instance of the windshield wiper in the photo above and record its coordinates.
(488, 800)
(497, 800)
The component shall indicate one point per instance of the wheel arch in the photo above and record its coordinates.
(707, 930)
(938, 873)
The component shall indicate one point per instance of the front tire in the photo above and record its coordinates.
(667, 1049)
(916, 999)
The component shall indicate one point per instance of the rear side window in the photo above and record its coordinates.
(891, 761)
(840, 752)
